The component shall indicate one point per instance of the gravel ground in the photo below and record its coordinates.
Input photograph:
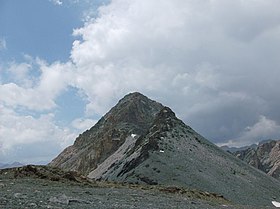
(34, 192)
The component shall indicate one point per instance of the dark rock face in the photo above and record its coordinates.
(142, 142)
(265, 157)
(132, 115)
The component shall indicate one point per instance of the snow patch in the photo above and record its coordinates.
(276, 204)
(133, 135)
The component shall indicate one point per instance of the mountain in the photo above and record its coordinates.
(266, 157)
(133, 114)
(11, 165)
(235, 149)
(141, 141)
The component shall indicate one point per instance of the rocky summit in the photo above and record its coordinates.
(266, 157)
(133, 114)
(140, 141)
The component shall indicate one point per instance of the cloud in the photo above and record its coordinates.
(35, 93)
(20, 133)
(28, 127)
(20, 73)
(3, 44)
(263, 129)
(83, 124)
(57, 2)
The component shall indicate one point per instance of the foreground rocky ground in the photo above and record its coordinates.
(45, 187)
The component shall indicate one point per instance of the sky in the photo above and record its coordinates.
(64, 63)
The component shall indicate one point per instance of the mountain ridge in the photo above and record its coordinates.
(265, 157)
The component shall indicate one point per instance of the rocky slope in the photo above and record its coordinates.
(266, 157)
(140, 141)
(133, 114)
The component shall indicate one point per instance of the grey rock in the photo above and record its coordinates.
(62, 199)
(3, 201)
(20, 196)
(266, 157)
(34, 205)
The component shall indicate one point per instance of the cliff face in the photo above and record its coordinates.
(132, 115)
(265, 157)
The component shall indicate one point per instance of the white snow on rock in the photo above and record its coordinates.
(276, 204)
(133, 135)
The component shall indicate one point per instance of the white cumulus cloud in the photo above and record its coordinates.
(36, 93)
(23, 133)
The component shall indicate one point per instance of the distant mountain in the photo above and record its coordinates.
(140, 141)
(235, 149)
(12, 165)
(266, 157)
(265, 141)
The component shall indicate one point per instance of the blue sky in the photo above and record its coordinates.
(64, 63)
(38, 28)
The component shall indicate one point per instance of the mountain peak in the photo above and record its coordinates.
(134, 95)
(136, 99)
(133, 114)
(135, 111)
